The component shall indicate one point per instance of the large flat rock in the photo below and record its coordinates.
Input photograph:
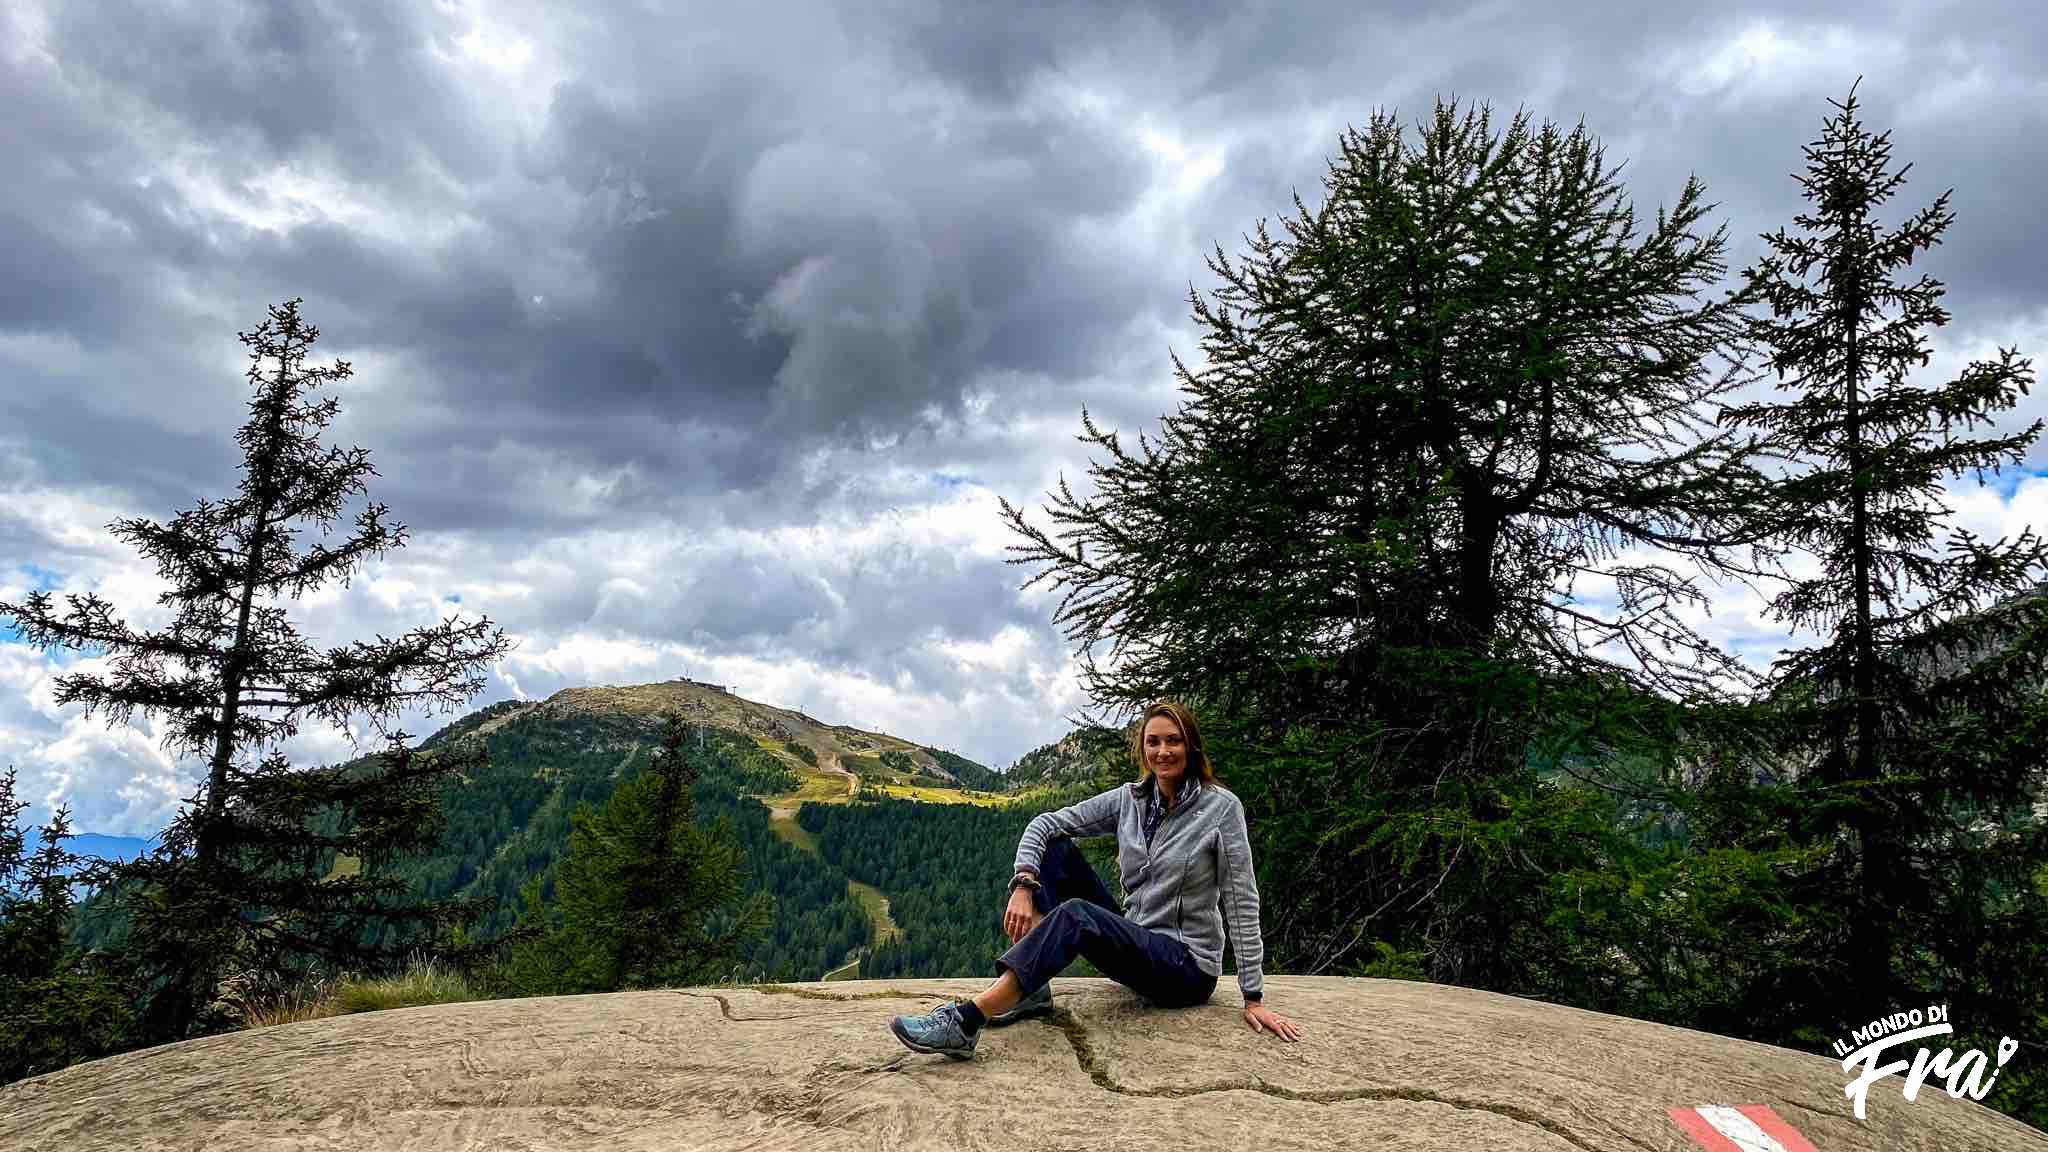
(1384, 1065)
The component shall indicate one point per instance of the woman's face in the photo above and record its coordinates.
(1166, 750)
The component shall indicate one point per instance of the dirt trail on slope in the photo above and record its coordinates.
(833, 765)
(1384, 1065)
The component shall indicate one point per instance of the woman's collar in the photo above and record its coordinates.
(1190, 787)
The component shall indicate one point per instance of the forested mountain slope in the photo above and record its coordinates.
(512, 824)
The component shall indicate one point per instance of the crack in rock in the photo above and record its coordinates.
(725, 1006)
(866, 1068)
(1820, 1112)
(1097, 1068)
(812, 994)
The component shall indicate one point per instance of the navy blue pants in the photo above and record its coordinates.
(1081, 919)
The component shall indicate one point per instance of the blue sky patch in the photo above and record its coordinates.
(2008, 480)
(40, 579)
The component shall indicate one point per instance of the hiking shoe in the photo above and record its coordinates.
(1039, 1003)
(938, 1030)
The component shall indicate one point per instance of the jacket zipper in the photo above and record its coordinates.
(1180, 894)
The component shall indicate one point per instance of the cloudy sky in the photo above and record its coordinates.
(702, 340)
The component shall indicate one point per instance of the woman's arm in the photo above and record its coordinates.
(1239, 885)
(1095, 816)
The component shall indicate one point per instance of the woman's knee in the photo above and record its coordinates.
(1074, 908)
(1084, 914)
(1060, 852)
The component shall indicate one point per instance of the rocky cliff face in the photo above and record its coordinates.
(1081, 756)
(1384, 1065)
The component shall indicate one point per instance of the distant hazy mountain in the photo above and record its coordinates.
(94, 844)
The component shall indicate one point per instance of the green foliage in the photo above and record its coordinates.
(57, 1005)
(896, 760)
(644, 897)
(241, 882)
(1449, 397)
(424, 982)
(802, 752)
(508, 821)
(818, 923)
(1916, 719)
(979, 777)
(508, 826)
(943, 868)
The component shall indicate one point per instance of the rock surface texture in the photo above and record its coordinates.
(1384, 1065)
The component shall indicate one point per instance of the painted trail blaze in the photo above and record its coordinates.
(1743, 1128)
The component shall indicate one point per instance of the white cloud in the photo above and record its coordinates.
(580, 658)
(1771, 57)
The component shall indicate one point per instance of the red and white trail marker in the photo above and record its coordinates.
(1743, 1128)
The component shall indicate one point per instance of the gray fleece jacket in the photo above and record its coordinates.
(1193, 878)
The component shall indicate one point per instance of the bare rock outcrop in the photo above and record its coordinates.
(1384, 1065)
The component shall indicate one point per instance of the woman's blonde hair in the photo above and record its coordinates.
(1199, 767)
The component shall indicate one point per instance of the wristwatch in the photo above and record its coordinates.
(1023, 880)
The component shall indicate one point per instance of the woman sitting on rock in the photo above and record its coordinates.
(1186, 865)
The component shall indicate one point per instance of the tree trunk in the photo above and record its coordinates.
(209, 839)
(1871, 935)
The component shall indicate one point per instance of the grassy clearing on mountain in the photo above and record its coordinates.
(932, 794)
(782, 822)
(877, 907)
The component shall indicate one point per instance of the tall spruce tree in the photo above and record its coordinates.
(241, 881)
(1463, 402)
(1917, 718)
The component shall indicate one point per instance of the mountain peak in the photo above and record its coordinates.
(839, 748)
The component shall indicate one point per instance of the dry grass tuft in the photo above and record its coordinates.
(423, 982)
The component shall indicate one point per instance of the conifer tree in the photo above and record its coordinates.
(1917, 717)
(1373, 544)
(1435, 411)
(241, 880)
(645, 897)
(56, 1006)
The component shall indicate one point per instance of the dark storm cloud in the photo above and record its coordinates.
(752, 263)
(994, 50)
(267, 80)
(763, 258)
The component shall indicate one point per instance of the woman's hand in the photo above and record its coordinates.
(1263, 1019)
(1021, 916)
